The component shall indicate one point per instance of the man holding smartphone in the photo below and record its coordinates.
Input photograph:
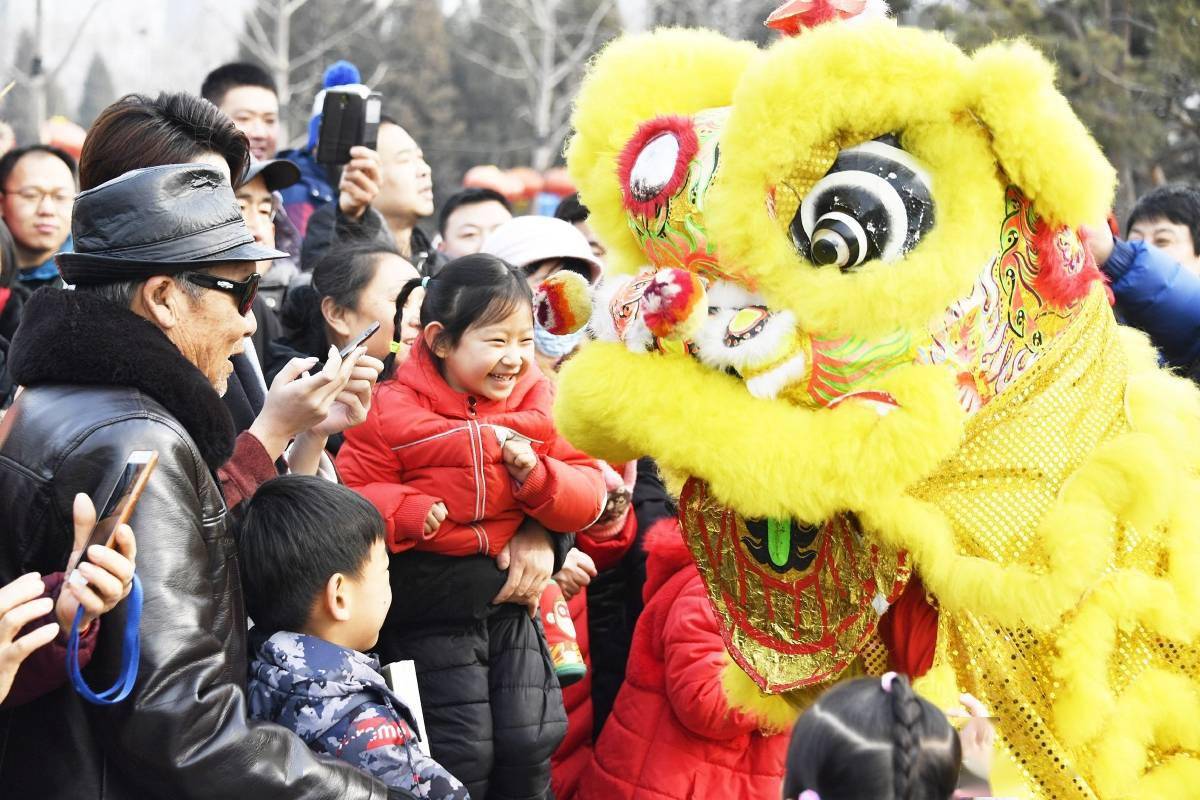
(135, 359)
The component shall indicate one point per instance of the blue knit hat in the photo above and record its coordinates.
(339, 73)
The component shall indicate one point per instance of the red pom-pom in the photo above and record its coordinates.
(563, 303)
(675, 304)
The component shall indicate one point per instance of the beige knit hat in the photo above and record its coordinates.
(526, 240)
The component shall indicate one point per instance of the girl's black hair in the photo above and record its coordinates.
(341, 274)
(859, 742)
(478, 289)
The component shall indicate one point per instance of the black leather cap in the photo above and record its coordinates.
(157, 221)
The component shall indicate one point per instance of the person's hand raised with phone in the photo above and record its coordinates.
(351, 405)
(298, 401)
(102, 581)
(360, 182)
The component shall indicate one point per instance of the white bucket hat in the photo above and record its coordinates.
(526, 240)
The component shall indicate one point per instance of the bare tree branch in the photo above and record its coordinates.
(50, 76)
(261, 36)
(520, 44)
(344, 35)
(378, 74)
(510, 73)
(587, 42)
(294, 6)
(263, 52)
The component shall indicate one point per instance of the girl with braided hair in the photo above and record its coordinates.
(873, 739)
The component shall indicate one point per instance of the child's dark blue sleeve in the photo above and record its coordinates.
(1157, 295)
(380, 742)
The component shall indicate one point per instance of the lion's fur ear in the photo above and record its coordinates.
(636, 78)
(1039, 142)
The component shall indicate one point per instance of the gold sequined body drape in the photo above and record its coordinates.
(1018, 454)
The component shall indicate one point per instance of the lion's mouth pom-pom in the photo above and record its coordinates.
(675, 304)
(562, 303)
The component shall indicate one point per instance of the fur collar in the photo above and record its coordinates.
(77, 338)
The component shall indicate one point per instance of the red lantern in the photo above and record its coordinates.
(558, 182)
(531, 181)
(486, 176)
(60, 132)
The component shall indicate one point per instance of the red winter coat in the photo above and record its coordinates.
(423, 442)
(575, 751)
(671, 734)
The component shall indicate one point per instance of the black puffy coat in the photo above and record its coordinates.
(614, 597)
(102, 382)
(492, 702)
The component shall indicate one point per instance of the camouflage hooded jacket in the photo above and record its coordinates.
(336, 700)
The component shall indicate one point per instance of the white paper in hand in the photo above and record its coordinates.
(401, 678)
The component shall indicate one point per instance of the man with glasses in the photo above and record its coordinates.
(260, 203)
(135, 358)
(38, 186)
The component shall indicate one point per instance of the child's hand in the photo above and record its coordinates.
(576, 573)
(519, 458)
(977, 736)
(435, 518)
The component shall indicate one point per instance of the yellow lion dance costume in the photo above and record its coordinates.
(872, 345)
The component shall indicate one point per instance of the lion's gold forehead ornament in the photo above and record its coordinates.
(846, 303)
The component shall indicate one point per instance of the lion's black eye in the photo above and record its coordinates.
(875, 203)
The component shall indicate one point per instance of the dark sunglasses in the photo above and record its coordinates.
(243, 292)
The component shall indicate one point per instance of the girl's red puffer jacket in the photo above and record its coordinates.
(424, 442)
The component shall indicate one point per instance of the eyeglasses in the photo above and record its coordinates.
(33, 197)
(243, 292)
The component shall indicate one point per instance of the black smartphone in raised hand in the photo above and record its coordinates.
(349, 117)
(357, 341)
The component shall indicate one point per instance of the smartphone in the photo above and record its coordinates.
(358, 340)
(349, 116)
(123, 498)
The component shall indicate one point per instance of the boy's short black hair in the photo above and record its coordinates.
(571, 210)
(1177, 203)
(469, 197)
(230, 76)
(295, 533)
(8, 162)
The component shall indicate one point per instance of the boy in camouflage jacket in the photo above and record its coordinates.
(315, 573)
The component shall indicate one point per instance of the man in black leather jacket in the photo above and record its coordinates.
(135, 359)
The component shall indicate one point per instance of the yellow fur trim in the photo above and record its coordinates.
(1038, 140)
(1158, 709)
(789, 104)
(776, 713)
(1111, 486)
(618, 405)
(634, 79)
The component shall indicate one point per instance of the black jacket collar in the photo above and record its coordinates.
(77, 338)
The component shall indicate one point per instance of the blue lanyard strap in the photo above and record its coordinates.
(129, 656)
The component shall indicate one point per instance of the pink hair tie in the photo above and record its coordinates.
(809, 794)
(886, 681)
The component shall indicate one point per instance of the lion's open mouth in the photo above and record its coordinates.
(769, 351)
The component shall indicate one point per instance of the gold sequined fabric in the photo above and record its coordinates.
(1017, 454)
